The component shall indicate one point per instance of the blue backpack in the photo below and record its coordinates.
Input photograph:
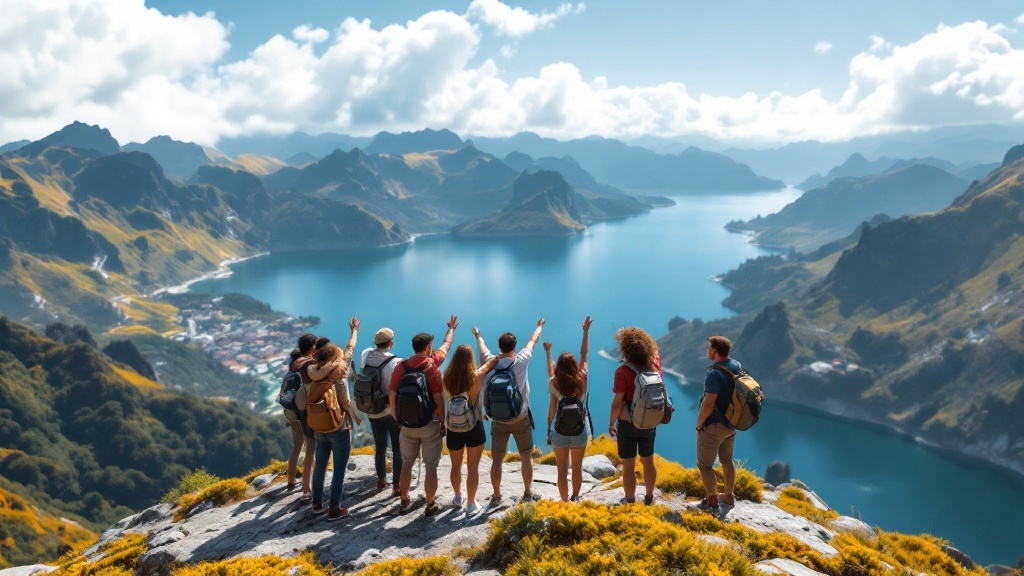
(503, 399)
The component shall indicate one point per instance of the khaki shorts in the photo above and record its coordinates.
(717, 440)
(428, 438)
(518, 429)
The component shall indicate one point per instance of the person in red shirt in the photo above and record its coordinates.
(428, 438)
(640, 350)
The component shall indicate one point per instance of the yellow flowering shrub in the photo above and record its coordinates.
(258, 566)
(430, 566)
(119, 557)
(221, 493)
(277, 467)
(794, 501)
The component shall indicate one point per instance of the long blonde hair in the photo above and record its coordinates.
(460, 375)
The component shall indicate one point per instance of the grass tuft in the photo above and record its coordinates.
(429, 566)
(304, 565)
(189, 483)
(221, 493)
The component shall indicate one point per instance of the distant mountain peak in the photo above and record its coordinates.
(76, 135)
(425, 140)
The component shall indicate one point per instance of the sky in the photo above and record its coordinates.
(732, 70)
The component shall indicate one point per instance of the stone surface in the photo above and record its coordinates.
(599, 466)
(959, 557)
(164, 538)
(260, 482)
(858, 528)
(768, 518)
(28, 570)
(783, 566)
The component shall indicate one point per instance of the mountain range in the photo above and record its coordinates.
(916, 324)
(857, 165)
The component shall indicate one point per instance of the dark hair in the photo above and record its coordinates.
(322, 341)
(306, 341)
(637, 346)
(507, 342)
(461, 372)
(421, 341)
(569, 379)
(294, 355)
(721, 344)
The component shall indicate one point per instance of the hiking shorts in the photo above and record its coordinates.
(426, 439)
(520, 429)
(633, 441)
(717, 440)
(563, 441)
(472, 439)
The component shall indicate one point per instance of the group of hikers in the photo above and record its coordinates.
(417, 409)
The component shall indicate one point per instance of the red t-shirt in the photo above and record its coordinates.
(625, 379)
(429, 365)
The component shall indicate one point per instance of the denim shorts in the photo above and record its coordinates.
(563, 441)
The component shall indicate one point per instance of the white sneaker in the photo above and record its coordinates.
(457, 501)
(473, 507)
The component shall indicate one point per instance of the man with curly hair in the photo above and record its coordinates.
(715, 439)
(638, 349)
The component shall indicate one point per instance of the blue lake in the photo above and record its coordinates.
(641, 271)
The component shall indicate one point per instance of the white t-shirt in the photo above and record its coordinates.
(374, 357)
(521, 370)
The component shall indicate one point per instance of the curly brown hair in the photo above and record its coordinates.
(637, 347)
(461, 372)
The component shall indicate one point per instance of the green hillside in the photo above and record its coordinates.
(86, 439)
(919, 325)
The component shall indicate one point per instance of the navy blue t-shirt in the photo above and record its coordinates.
(718, 382)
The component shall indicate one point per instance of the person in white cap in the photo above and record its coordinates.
(383, 424)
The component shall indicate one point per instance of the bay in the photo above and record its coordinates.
(641, 272)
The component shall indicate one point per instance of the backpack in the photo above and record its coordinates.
(569, 416)
(744, 407)
(288, 398)
(503, 400)
(650, 400)
(368, 390)
(414, 402)
(461, 414)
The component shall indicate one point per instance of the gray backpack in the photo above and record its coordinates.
(461, 414)
(650, 400)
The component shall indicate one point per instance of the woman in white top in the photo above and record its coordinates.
(463, 378)
(567, 379)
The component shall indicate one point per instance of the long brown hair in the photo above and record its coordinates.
(460, 375)
(327, 354)
(569, 379)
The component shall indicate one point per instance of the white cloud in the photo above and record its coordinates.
(517, 22)
(141, 73)
(508, 51)
(1019, 20)
(306, 33)
(823, 47)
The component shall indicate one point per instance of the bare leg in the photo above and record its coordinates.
(456, 475)
(406, 479)
(562, 464)
(496, 473)
(650, 474)
(577, 469)
(473, 474)
(629, 478)
(431, 485)
(527, 463)
(307, 465)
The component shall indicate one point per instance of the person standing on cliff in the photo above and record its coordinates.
(519, 426)
(383, 425)
(302, 436)
(714, 438)
(429, 438)
(639, 353)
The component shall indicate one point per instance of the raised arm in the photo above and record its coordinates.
(481, 347)
(350, 346)
(449, 335)
(486, 367)
(585, 346)
(551, 363)
(536, 335)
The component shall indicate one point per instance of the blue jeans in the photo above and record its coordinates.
(340, 444)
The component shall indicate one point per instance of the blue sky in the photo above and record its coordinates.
(757, 71)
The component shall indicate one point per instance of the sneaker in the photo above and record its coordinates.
(705, 507)
(574, 498)
(433, 509)
(727, 501)
(336, 513)
(318, 509)
(623, 501)
(494, 501)
(291, 487)
(529, 497)
(648, 500)
(457, 501)
(306, 497)
(405, 505)
(472, 507)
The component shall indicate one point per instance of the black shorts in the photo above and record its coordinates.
(472, 439)
(633, 442)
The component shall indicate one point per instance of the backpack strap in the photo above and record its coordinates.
(723, 369)
(384, 363)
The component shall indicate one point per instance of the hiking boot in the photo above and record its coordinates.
(433, 509)
(318, 509)
(382, 483)
(574, 498)
(648, 500)
(495, 500)
(404, 506)
(336, 513)
(705, 507)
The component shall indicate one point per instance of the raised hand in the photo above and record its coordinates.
(547, 347)
(476, 332)
(586, 323)
(540, 323)
(453, 322)
(353, 324)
